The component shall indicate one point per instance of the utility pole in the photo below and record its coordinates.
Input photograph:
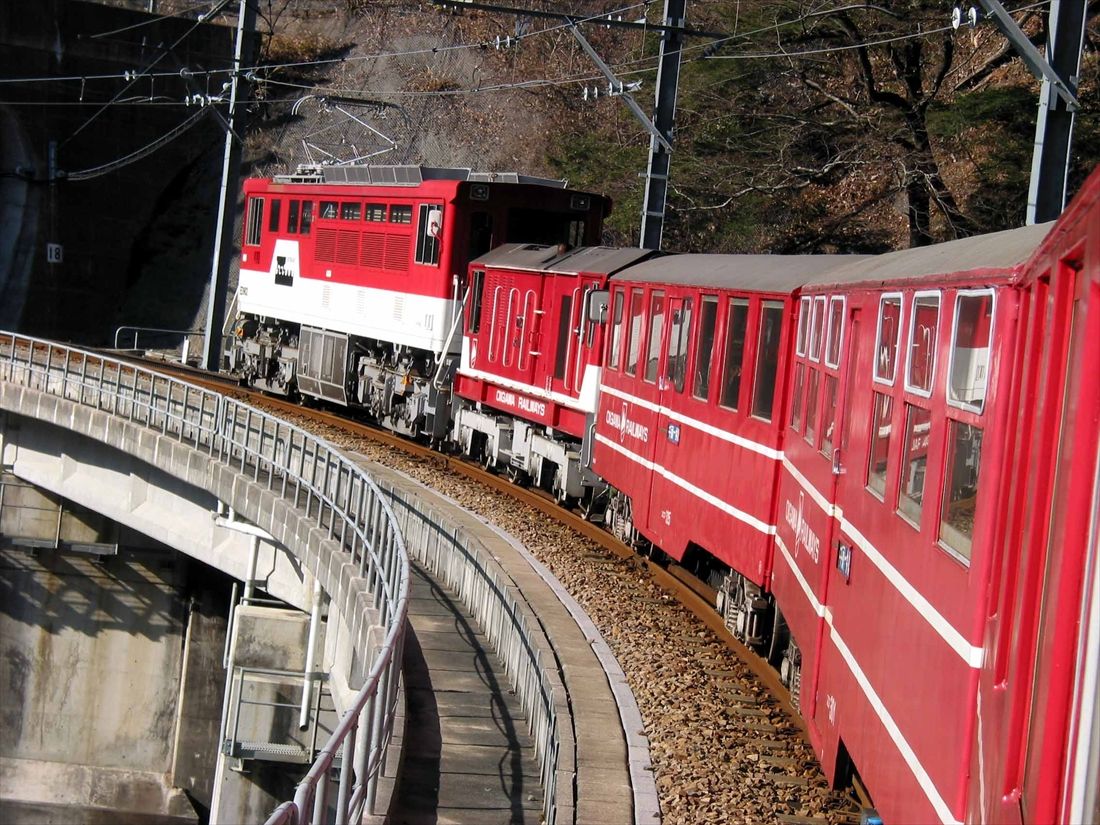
(227, 202)
(1057, 98)
(664, 115)
(1046, 197)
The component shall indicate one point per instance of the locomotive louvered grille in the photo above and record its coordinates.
(372, 250)
(347, 248)
(325, 246)
(397, 253)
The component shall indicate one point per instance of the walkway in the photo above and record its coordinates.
(468, 757)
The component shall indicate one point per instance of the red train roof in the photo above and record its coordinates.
(594, 260)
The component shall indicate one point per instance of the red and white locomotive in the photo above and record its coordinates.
(887, 467)
(352, 278)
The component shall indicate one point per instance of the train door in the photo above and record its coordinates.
(636, 412)
(666, 497)
(842, 353)
(566, 342)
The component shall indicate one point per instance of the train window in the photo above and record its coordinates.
(828, 415)
(970, 342)
(878, 463)
(817, 328)
(676, 363)
(918, 425)
(477, 289)
(376, 212)
(565, 326)
(796, 396)
(328, 210)
(803, 325)
(401, 214)
(889, 333)
(736, 326)
(920, 366)
(616, 331)
(811, 406)
(307, 217)
(294, 210)
(428, 230)
(275, 214)
(255, 221)
(767, 359)
(704, 347)
(835, 335)
(351, 211)
(634, 350)
(656, 332)
(964, 458)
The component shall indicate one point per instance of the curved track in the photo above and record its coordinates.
(726, 744)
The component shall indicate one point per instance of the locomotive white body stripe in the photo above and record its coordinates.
(903, 746)
(698, 492)
(409, 320)
(709, 429)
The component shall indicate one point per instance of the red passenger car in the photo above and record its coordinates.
(1037, 710)
(531, 357)
(886, 509)
(690, 414)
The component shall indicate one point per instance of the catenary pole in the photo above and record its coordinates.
(227, 202)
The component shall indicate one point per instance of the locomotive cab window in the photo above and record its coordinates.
(307, 217)
(889, 335)
(920, 365)
(736, 325)
(767, 360)
(616, 331)
(704, 347)
(293, 215)
(970, 346)
(429, 231)
(276, 210)
(656, 333)
(255, 221)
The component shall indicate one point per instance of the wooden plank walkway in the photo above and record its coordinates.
(468, 757)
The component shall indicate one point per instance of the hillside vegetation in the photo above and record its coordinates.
(806, 127)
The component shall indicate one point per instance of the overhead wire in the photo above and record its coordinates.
(642, 65)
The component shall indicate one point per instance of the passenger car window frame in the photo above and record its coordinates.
(949, 374)
(882, 299)
(909, 386)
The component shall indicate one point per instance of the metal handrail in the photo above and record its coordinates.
(303, 470)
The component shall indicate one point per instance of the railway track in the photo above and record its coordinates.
(725, 742)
